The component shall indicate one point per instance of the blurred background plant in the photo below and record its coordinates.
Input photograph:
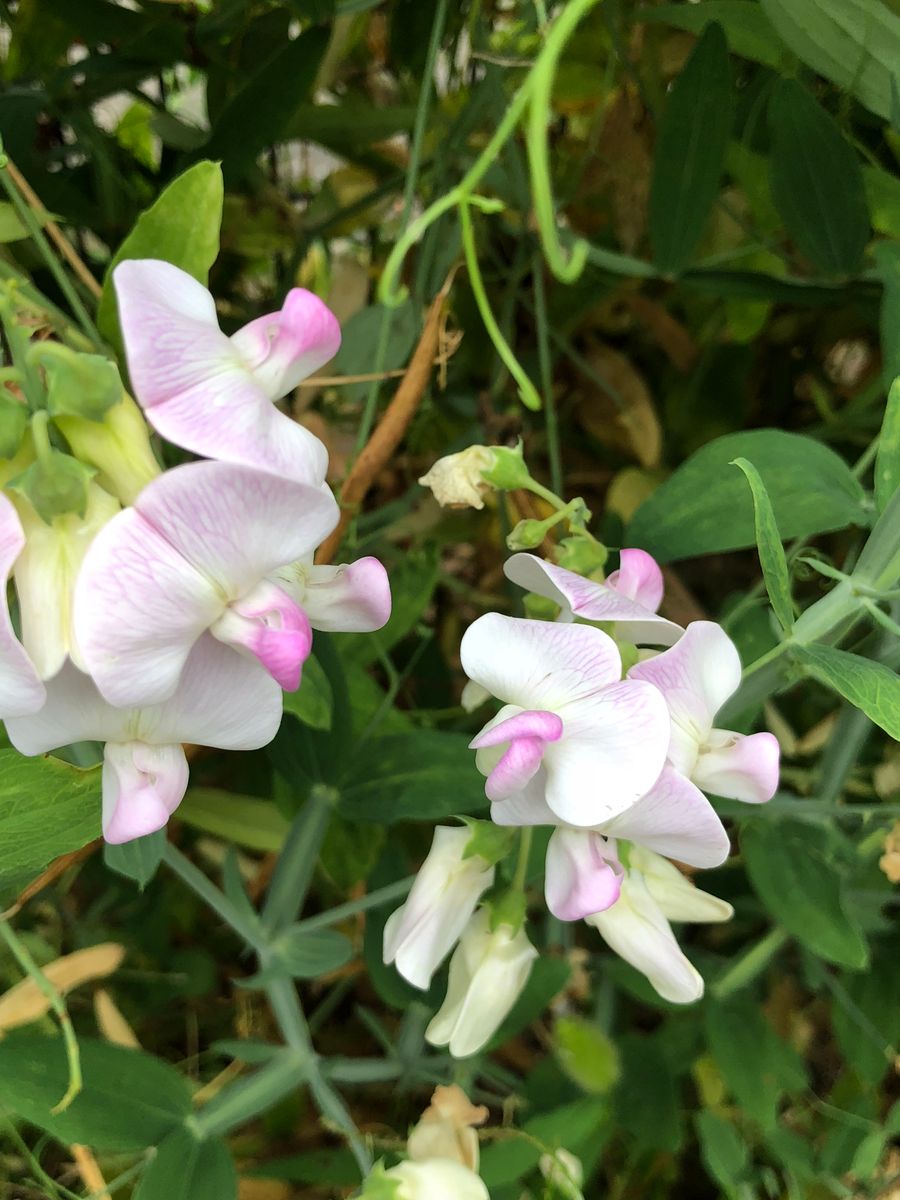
(647, 239)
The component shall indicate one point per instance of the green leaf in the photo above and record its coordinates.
(866, 1017)
(130, 1100)
(816, 181)
(245, 820)
(854, 43)
(797, 875)
(182, 227)
(422, 775)
(878, 564)
(11, 227)
(311, 703)
(648, 1105)
(690, 151)
(185, 1168)
(137, 860)
(870, 686)
(306, 955)
(887, 461)
(586, 1054)
(887, 258)
(47, 808)
(724, 1152)
(260, 112)
(771, 552)
(13, 423)
(746, 26)
(757, 1066)
(811, 489)
(570, 1127)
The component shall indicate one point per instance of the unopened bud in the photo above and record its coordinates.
(13, 422)
(55, 484)
(583, 555)
(508, 470)
(80, 385)
(118, 446)
(489, 841)
(528, 534)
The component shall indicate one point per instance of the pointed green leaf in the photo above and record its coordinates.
(185, 1168)
(870, 686)
(887, 259)
(137, 860)
(817, 182)
(887, 461)
(771, 552)
(690, 151)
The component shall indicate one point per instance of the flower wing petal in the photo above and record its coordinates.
(739, 766)
(21, 691)
(674, 818)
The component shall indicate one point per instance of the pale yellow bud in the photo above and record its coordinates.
(457, 480)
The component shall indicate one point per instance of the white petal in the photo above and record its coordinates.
(676, 819)
(21, 691)
(678, 897)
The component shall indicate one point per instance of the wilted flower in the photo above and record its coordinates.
(602, 743)
(488, 971)
(21, 690)
(213, 394)
(696, 676)
(445, 1129)
(637, 926)
(423, 931)
(222, 700)
(629, 597)
(457, 479)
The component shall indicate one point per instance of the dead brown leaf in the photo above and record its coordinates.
(25, 1002)
(625, 420)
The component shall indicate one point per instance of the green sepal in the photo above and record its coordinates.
(583, 555)
(540, 608)
(528, 534)
(489, 841)
(509, 470)
(628, 652)
(78, 385)
(13, 423)
(379, 1186)
(54, 485)
(508, 908)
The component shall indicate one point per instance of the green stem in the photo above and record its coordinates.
(527, 391)
(525, 840)
(750, 964)
(28, 219)
(212, 896)
(297, 861)
(240, 1102)
(554, 453)
(19, 341)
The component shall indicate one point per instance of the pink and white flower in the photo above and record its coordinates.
(348, 598)
(196, 553)
(629, 598)
(600, 740)
(21, 690)
(697, 676)
(214, 394)
(222, 700)
(637, 926)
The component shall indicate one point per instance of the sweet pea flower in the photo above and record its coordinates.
(629, 597)
(637, 926)
(431, 1179)
(196, 552)
(697, 676)
(213, 394)
(21, 690)
(583, 873)
(222, 700)
(602, 743)
(446, 1128)
(46, 574)
(488, 971)
(426, 927)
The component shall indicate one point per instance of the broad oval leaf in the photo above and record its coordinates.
(129, 1101)
(811, 488)
(817, 182)
(690, 151)
(185, 1168)
(796, 874)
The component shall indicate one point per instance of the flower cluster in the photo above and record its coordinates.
(160, 608)
(606, 735)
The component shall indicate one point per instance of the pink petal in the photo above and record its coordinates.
(21, 691)
(611, 754)
(739, 767)
(639, 578)
(142, 787)
(283, 348)
(268, 624)
(194, 384)
(538, 664)
(527, 735)
(580, 597)
(696, 675)
(675, 819)
(351, 598)
(583, 874)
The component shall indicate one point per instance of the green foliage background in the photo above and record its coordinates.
(732, 168)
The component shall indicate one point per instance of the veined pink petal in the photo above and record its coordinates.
(525, 737)
(194, 384)
(283, 348)
(639, 578)
(580, 597)
(583, 876)
(21, 691)
(269, 625)
(350, 598)
(696, 676)
(611, 754)
(142, 787)
(675, 819)
(738, 766)
(538, 664)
